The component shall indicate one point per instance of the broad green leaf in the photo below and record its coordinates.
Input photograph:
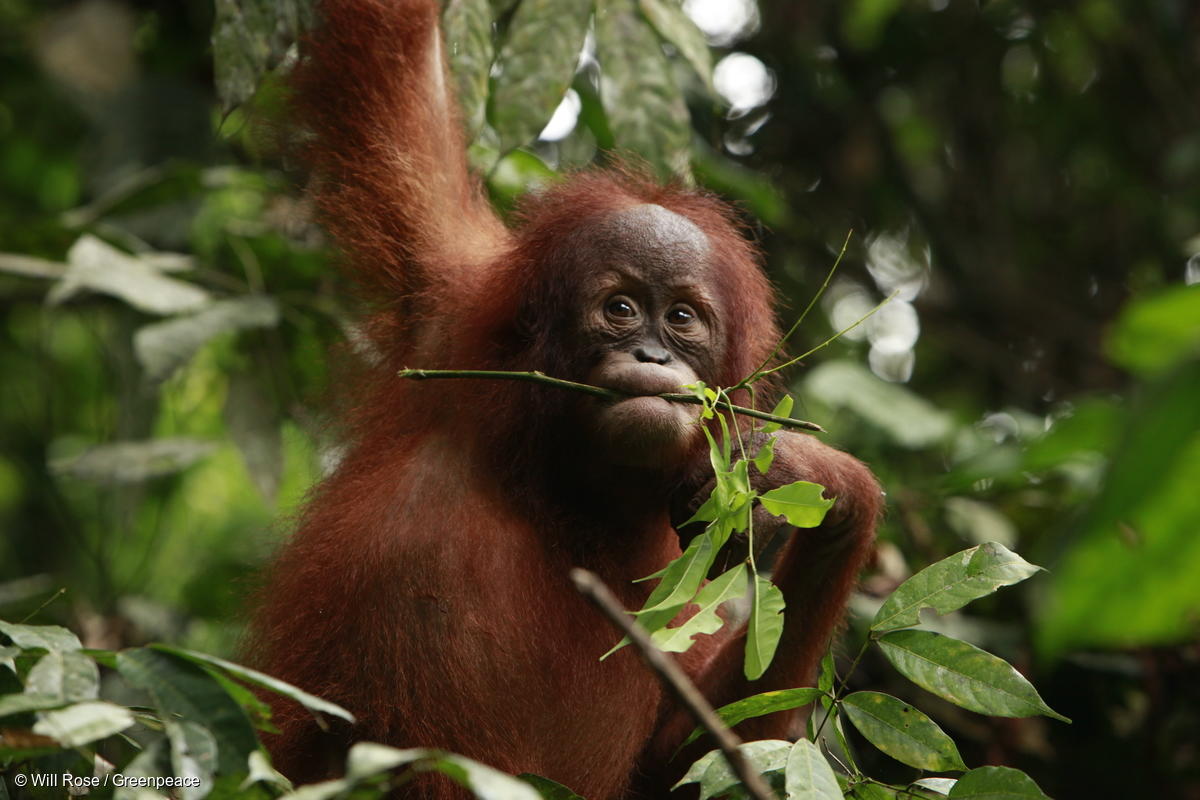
(257, 678)
(716, 777)
(548, 789)
(467, 26)
(645, 109)
(83, 723)
(367, 759)
(764, 628)
(193, 755)
(902, 732)
(963, 674)
(800, 503)
(46, 637)
(163, 347)
(677, 585)
(133, 461)
(22, 703)
(908, 419)
(8, 658)
(537, 63)
(180, 686)
(1155, 333)
(996, 783)
(765, 455)
(939, 785)
(952, 583)
(486, 783)
(782, 409)
(760, 705)
(809, 776)
(676, 27)
(261, 771)
(96, 266)
(722, 589)
(68, 674)
(1138, 542)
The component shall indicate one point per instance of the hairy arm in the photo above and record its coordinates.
(385, 145)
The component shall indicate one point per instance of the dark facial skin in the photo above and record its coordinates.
(650, 324)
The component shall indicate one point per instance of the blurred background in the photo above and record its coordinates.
(1023, 176)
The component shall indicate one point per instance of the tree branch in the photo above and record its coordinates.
(675, 680)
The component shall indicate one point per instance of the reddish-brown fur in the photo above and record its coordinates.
(426, 586)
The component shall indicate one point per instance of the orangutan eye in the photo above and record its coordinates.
(620, 307)
(680, 315)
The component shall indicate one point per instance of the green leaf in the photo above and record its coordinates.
(759, 705)
(1138, 542)
(261, 771)
(963, 674)
(722, 589)
(193, 755)
(537, 63)
(715, 776)
(952, 583)
(764, 628)
(133, 461)
(676, 27)
(311, 702)
(180, 686)
(84, 723)
(548, 789)
(645, 108)
(467, 26)
(46, 637)
(765, 455)
(908, 419)
(1155, 333)
(163, 347)
(23, 703)
(483, 781)
(678, 583)
(809, 776)
(996, 783)
(782, 409)
(70, 675)
(96, 266)
(368, 759)
(902, 732)
(939, 785)
(800, 503)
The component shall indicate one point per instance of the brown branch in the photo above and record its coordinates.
(675, 680)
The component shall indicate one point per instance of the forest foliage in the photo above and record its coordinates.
(1024, 176)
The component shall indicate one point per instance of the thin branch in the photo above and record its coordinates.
(758, 372)
(675, 680)
(835, 337)
(597, 391)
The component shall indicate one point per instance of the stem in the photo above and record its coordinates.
(597, 391)
(757, 373)
(673, 677)
(833, 338)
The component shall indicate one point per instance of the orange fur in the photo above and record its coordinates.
(425, 587)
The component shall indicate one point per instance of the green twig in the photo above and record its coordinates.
(597, 391)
